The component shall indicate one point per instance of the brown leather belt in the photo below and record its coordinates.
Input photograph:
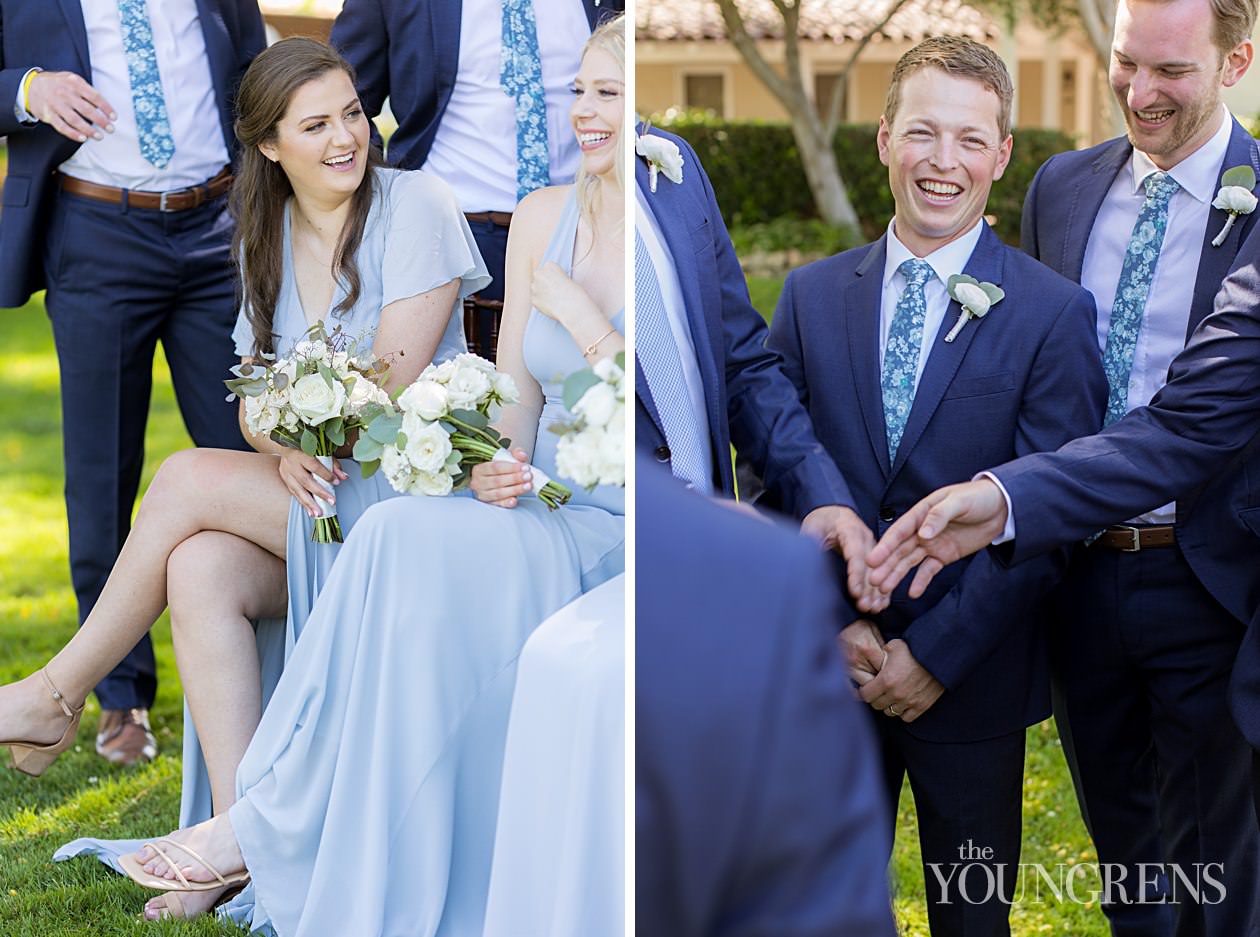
(174, 200)
(501, 218)
(1131, 539)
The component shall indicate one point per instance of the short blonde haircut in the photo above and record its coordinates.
(961, 58)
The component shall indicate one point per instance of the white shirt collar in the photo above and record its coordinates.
(1199, 172)
(945, 261)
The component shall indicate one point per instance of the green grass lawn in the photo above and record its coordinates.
(1054, 834)
(80, 795)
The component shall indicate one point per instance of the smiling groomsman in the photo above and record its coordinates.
(119, 116)
(908, 387)
(1145, 642)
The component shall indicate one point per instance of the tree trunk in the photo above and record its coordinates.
(823, 174)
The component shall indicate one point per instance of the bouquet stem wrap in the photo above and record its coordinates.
(327, 527)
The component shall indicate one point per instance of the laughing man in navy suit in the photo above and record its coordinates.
(1144, 716)
(906, 390)
(128, 229)
(704, 379)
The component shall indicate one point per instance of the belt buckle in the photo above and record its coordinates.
(162, 200)
(1135, 538)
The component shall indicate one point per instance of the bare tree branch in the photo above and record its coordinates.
(833, 108)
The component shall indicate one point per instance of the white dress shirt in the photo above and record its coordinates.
(676, 313)
(1167, 313)
(474, 150)
(200, 150)
(947, 261)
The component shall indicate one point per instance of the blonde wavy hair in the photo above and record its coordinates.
(609, 36)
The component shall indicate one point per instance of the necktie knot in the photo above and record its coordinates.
(1160, 187)
(917, 272)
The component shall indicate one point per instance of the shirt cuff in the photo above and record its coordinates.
(1008, 531)
(19, 104)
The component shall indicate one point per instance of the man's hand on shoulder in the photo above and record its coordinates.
(839, 528)
(70, 105)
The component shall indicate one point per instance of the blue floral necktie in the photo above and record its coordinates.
(520, 74)
(901, 354)
(1136, 274)
(152, 124)
(658, 356)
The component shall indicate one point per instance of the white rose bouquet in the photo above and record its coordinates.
(441, 429)
(327, 387)
(592, 450)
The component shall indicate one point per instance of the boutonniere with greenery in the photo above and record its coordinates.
(976, 299)
(663, 156)
(1234, 197)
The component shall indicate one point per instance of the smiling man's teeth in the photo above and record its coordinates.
(1153, 116)
(939, 188)
(339, 160)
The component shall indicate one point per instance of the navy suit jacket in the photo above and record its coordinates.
(748, 400)
(409, 52)
(1197, 441)
(1027, 377)
(758, 809)
(51, 34)
(1214, 529)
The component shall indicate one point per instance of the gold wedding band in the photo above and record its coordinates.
(892, 711)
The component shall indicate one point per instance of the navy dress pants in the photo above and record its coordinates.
(121, 279)
(1142, 656)
(968, 797)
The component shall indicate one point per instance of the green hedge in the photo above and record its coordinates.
(756, 171)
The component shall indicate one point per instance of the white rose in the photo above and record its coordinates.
(365, 392)
(311, 351)
(289, 420)
(597, 405)
(607, 371)
(315, 401)
(617, 423)
(340, 362)
(612, 458)
(434, 484)
(971, 296)
(663, 154)
(467, 387)
(504, 387)
(577, 460)
(427, 398)
(442, 373)
(260, 415)
(467, 359)
(396, 468)
(428, 447)
(1236, 199)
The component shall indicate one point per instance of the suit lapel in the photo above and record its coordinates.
(73, 11)
(1087, 199)
(945, 357)
(668, 206)
(220, 55)
(1214, 262)
(862, 301)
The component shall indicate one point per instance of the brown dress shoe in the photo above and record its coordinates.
(123, 737)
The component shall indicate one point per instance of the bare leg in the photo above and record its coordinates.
(217, 583)
(194, 490)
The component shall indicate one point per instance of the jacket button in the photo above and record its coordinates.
(662, 454)
(887, 514)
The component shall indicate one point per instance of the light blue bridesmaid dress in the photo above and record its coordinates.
(368, 796)
(415, 239)
(559, 851)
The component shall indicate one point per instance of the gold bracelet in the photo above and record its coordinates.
(26, 89)
(590, 349)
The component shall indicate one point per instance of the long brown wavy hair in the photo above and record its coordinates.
(262, 188)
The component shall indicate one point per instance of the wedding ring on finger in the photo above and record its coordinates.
(892, 711)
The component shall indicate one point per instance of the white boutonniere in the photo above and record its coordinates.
(663, 156)
(976, 299)
(1234, 197)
